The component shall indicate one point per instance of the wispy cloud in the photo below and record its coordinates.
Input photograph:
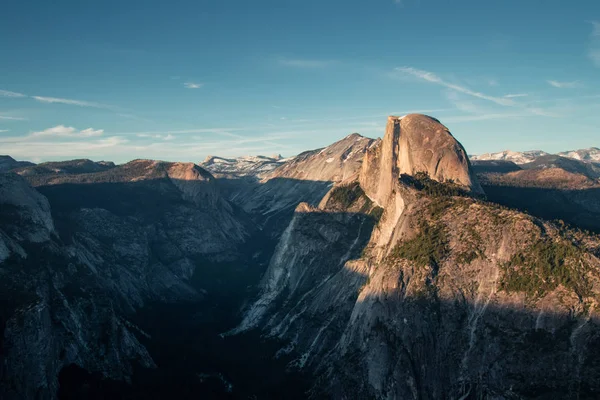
(515, 95)
(6, 117)
(503, 101)
(192, 85)
(564, 85)
(594, 46)
(68, 131)
(4, 130)
(43, 148)
(8, 93)
(80, 103)
(156, 136)
(304, 63)
(483, 117)
(433, 78)
(595, 28)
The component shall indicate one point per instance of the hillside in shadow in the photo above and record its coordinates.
(578, 207)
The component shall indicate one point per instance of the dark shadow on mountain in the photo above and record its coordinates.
(512, 347)
(580, 208)
(460, 348)
(185, 340)
(271, 204)
(193, 360)
(433, 347)
(494, 166)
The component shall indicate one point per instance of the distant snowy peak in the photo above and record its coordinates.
(592, 154)
(524, 157)
(518, 157)
(242, 166)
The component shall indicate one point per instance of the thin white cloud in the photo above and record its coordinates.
(79, 103)
(503, 101)
(4, 130)
(304, 63)
(68, 131)
(218, 131)
(193, 85)
(8, 93)
(564, 85)
(433, 78)
(44, 148)
(6, 117)
(156, 136)
(595, 28)
(594, 55)
(483, 117)
(593, 51)
(515, 95)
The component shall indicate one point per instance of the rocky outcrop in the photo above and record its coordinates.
(338, 162)
(26, 213)
(411, 144)
(272, 197)
(449, 297)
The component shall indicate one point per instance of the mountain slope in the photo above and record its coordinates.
(272, 197)
(449, 297)
(591, 155)
(551, 187)
(7, 163)
(81, 261)
(241, 166)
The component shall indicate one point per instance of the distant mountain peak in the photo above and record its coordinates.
(591, 154)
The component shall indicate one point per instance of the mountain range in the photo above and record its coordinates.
(395, 268)
(591, 154)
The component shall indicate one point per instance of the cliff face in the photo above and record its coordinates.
(271, 196)
(411, 144)
(389, 277)
(448, 297)
(77, 263)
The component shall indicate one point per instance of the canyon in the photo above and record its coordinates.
(389, 268)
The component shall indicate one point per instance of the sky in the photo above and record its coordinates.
(180, 80)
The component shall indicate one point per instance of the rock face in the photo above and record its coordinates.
(436, 295)
(77, 263)
(271, 197)
(415, 143)
(387, 275)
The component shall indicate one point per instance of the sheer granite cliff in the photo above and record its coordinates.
(441, 295)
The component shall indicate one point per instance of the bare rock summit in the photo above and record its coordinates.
(415, 143)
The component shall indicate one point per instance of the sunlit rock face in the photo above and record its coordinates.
(411, 144)
(389, 291)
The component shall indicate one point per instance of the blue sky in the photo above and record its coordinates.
(179, 80)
